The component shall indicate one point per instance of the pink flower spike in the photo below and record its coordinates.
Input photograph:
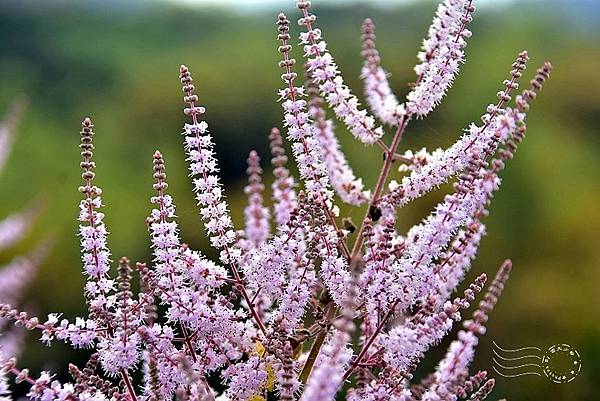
(256, 215)
(380, 97)
(453, 369)
(349, 188)
(94, 249)
(334, 267)
(203, 168)
(441, 56)
(324, 72)
(481, 141)
(284, 195)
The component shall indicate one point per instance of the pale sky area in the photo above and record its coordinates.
(277, 4)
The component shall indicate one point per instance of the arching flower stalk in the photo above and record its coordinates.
(453, 369)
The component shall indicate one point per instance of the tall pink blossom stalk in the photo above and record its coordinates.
(309, 302)
(383, 102)
(284, 194)
(441, 56)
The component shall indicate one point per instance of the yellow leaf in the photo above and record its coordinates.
(259, 349)
(256, 397)
(270, 382)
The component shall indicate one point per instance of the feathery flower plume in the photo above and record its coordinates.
(455, 262)
(120, 351)
(256, 215)
(380, 97)
(92, 230)
(453, 369)
(284, 196)
(209, 193)
(404, 344)
(301, 277)
(349, 188)
(442, 55)
(203, 167)
(325, 73)
(164, 232)
(409, 278)
(334, 268)
(477, 140)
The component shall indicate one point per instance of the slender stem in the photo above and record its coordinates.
(316, 347)
(128, 384)
(383, 175)
(371, 340)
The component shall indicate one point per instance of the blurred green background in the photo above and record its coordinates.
(118, 62)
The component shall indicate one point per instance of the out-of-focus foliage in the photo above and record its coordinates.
(119, 64)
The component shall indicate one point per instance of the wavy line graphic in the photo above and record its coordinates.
(515, 358)
(517, 349)
(560, 363)
(516, 367)
(517, 375)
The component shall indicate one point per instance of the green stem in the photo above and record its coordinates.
(316, 347)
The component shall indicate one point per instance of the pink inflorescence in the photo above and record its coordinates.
(301, 300)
